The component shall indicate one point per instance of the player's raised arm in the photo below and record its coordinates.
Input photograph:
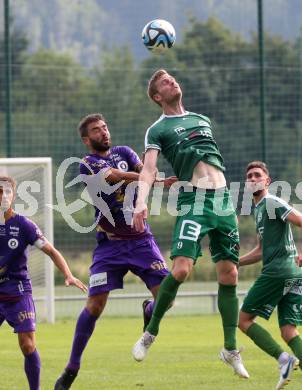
(146, 180)
(253, 256)
(168, 182)
(116, 175)
(61, 264)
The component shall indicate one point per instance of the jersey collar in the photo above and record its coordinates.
(264, 197)
(175, 116)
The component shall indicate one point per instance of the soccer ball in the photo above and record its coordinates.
(158, 35)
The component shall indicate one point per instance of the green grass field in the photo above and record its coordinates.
(183, 357)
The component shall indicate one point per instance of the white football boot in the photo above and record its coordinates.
(285, 371)
(141, 347)
(233, 359)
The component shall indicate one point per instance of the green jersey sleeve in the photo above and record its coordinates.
(278, 208)
(152, 138)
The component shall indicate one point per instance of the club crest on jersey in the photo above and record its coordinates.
(123, 165)
(259, 217)
(13, 243)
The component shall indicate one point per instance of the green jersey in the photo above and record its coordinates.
(184, 140)
(278, 247)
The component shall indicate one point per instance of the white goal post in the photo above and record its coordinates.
(34, 197)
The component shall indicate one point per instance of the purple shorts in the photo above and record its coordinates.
(20, 315)
(113, 259)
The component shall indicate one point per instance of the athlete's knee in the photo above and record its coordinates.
(181, 274)
(96, 304)
(244, 322)
(228, 274)
(27, 345)
(243, 325)
(182, 268)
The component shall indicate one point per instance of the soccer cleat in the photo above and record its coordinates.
(286, 370)
(233, 359)
(146, 317)
(66, 379)
(141, 347)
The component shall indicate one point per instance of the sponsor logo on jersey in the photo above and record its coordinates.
(296, 290)
(179, 130)
(14, 231)
(259, 217)
(14, 228)
(26, 315)
(13, 243)
(158, 265)
(189, 230)
(293, 286)
(98, 279)
(197, 133)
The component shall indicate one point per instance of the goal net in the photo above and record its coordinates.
(34, 194)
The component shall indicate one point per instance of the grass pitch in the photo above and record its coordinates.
(183, 357)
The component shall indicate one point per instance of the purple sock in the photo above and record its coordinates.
(149, 309)
(83, 331)
(32, 366)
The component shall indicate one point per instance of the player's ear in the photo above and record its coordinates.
(85, 140)
(268, 181)
(157, 98)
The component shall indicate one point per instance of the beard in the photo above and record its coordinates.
(257, 193)
(99, 146)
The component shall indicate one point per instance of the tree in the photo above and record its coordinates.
(19, 45)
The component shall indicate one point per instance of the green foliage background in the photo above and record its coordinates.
(218, 71)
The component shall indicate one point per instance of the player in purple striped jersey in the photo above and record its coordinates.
(120, 248)
(16, 302)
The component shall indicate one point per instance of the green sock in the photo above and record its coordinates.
(295, 344)
(166, 294)
(229, 308)
(264, 340)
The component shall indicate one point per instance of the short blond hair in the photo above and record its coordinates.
(152, 90)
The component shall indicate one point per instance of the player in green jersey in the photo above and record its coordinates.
(280, 282)
(185, 139)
